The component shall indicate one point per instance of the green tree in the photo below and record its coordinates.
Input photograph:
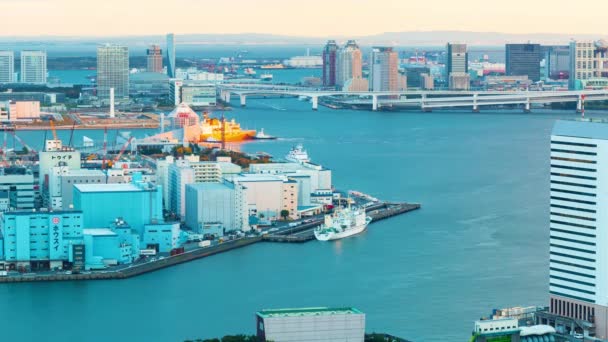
(284, 214)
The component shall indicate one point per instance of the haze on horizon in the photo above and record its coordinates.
(311, 18)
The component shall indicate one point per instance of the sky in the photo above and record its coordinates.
(306, 18)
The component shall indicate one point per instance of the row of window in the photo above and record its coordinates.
(573, 192)
(572, 272)
(572, 168)
(573, 216)
(498, 328)
(571, 232)
(573, 208)
(565, 263)
(574, 160)
(572, 176)
(572, 310)
(571, 280)
(572, 240)
(574, 184)
(572, 288)
(572, 200)
(574, 152)
(571, 256)
(572, 143)
(572, 248)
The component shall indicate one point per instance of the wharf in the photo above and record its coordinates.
(305, 232)
(136, 269)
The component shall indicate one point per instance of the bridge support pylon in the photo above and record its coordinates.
(527, 107)
(579, 104)
(243, 100)
(315, 102)
(374, 102)
(475, 106)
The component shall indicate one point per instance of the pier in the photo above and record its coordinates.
(305, 232)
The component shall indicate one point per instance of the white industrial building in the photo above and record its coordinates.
(268, 195)
(61, 185)
(55, 154)
(209, 205)
(311, 324)
(578, 257)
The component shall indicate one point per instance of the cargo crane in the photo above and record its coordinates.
(15, 136)
(53, 130)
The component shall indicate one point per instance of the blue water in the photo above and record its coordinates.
(73, 76)
(479, 242)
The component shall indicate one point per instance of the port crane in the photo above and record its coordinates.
(123, 149)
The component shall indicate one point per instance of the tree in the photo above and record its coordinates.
(284, 214)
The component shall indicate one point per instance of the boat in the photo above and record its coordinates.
(302, 98)
(297, 154)
(249, 71)
(344, 222)
(232, 131)
(263, 136)
(266, 77)
(273, 66)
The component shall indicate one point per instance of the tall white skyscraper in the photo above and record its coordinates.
(33, 67)
(384, 69)
(171, 55)
(348, 63)
(112, 71)
(7, 66)
(578, 252)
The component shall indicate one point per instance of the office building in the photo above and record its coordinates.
(112, 71)
(459, 81)
(311, 324)
(384, 70)
(40, 240)
(154, 59)
(557, 61)
(193, 93)
(137, 203)
(415, 74)
(523, 60)
(149, 85)
(180, 175)
(7, 67)
(329, 63)
(170, 55)
(348, 63)
(33, 67)
(578, 265)
(588, 65)
(212, 205)
(457, 59)
(18, 184)
(61, 181)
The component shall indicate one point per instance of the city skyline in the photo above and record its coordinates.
(364, 17)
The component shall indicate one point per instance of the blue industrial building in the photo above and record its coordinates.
(111, 246)
(40, 240)
(137, 203)
(163, 237)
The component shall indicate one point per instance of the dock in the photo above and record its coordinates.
(305, 233)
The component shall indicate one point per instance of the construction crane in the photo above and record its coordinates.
(123, 149)
(15, 136)
(105, 148)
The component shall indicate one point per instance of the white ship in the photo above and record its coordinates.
(297, 154)
(266, 77)
(343, 223)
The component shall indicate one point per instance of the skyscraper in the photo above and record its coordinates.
(33, 67)
(588, 64)
(329, 63)
(457, 59)
(523, 60)
(348, 63)
(557, 61)
(112, 71)
(7, 66)
(155, 59)
(171, 55)
(578, 228)
(384, 70)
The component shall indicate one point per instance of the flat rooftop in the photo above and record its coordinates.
(321, 311)
(98, 232)
(582, 128)
(111, 187)
(211, 186)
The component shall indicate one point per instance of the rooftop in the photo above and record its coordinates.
(582, 128)
(98, 232)
(112, 187)
(211, 186)
(302, 312)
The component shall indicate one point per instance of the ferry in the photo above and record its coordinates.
(266, 77)
(263, 136)
(297, 154)
(343, 223)
(232, 131)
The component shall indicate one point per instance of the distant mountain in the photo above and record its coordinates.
(411, 38)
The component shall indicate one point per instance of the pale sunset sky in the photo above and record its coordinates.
(297, 17)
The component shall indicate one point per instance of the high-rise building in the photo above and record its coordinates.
(33, 67)
(457, 59)
(112, 71)
(588, 64)
(523, 60)
(7, 66)
(171, 55)
(329, 63)
(155, 59)
(578, 263)
(557, 61)
(384, 69)
(348, 63)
